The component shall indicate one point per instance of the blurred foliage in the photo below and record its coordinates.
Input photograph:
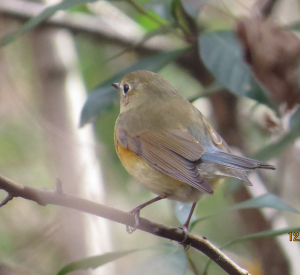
(274, 149)
(266, 200)
(221, 53)
(23, 152)
(171, 262)
(94, 262)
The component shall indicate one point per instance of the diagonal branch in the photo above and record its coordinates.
(86, 24)
(57, 197)
(265, 7)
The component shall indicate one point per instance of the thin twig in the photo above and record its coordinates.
(147, 14)
(154, 19)
(8, 198)
(44, 197)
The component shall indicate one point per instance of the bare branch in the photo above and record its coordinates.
(56, 197)
(8, 198)
(83, 23)
(265, 8)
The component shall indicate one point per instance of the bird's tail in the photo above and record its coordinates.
(234, 161)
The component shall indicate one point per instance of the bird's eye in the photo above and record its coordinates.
(125, 88)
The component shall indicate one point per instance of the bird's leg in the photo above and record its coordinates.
(136, 212)
(185, 227)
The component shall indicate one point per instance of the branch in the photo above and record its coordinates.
(57, 197)
(265, 8)
(83, 23)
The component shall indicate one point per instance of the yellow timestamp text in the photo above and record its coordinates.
(294, 236)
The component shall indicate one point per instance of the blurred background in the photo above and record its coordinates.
(48, 72)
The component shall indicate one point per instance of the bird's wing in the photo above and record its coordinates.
(217, 140)
(174, 152)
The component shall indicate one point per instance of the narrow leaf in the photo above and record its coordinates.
(274, 149)
(196, 221)
(94, 262)
(266, 200)
(174, 263)
(104, 95)
(98, 103)
(262, 234)
(295, 26)
(294, 122)
(222, 55)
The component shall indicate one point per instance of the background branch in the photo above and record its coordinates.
(83, 23)
(57, 197)
(265, 8)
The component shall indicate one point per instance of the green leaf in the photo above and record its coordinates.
(98, 103)
(148, 23)
(35, 21)
(94, 262)
(161, 8)
(294, 122)
(104, 95)
(174, 263)
(295, 26)
(262, 234)
(266, 200)
(222, 55)
(274, 149)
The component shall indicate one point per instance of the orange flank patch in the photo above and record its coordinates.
(154, 180)
(127, 157)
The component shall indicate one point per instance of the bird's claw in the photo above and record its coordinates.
(185, 233)
(131, 229)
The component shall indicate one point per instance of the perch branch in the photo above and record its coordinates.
(57, 197)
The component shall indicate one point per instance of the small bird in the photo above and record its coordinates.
(166, 144)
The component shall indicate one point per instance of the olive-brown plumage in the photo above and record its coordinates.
(166, 144)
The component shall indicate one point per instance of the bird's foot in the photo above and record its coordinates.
(136, 213)
(185, 233)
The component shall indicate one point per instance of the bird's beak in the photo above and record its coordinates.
(116, 85)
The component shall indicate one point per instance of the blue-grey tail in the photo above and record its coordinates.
(234, 161)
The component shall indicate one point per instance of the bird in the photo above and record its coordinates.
(167, 145)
